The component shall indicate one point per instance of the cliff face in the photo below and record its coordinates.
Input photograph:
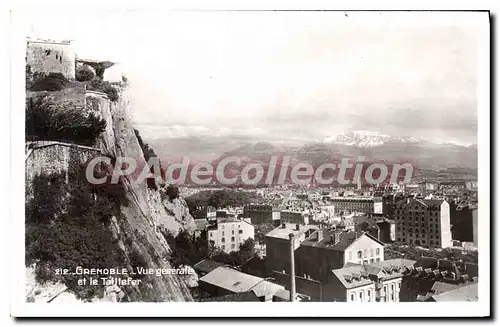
(137, 229)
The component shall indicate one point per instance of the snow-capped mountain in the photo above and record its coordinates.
(367, 139)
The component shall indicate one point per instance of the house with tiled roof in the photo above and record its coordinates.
(328, 249)
(235, 297)
(374, 282)
(224, 281)
(430, 276)
(466, 293)
(206, 265)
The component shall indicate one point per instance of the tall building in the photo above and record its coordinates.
(278, 245)
(294, 217)
(472, 186)
(230, 233)
(47, 56)
(423, 222)
(365, 204)
(325, 250)
(262, 214)
(464, 221)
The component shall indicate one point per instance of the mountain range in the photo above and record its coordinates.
(368, 139)
(426, 153)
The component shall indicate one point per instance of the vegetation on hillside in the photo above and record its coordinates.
(97, 84)
(45, 82)
(148, 153)
(187, 250)
(84, 74)
(222, 198)
(67, 227)
(49, 121)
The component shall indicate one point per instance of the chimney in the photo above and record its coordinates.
(335, 237)
(292, 268)
(297, 227)
(283, 225)
(320, 235)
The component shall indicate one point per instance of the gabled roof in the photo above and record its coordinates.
(346, 240)
(424, 202)
(369, 236)
(265, 288)
(433, 202)
(467, 293)
(231, 280)
(282, 295)
(440, 287)
(207, 265)
(354, 275)
(283, 233)
(236, 297)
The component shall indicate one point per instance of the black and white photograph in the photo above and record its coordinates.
(176, 158)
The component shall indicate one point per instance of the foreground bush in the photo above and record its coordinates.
(148, 153)
(84, 73)
(49, 82)
(67, 226)
(97, 84)
(46, 120)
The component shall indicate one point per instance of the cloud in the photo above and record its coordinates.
(285, 74)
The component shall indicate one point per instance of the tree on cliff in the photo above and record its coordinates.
(66, 122)
(222, 198)
(67, 226)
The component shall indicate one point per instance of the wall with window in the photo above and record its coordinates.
(362, 294)
(364, 251)
(390, 290)
(445, 225)
(228, 236)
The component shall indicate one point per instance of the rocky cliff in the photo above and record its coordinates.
(136, 228)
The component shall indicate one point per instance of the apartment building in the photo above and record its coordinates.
(464, 219)
(262, 214)
(365, 204)
(325, 250)
(208, 213)
(423, 222)
(375, 282)
(228, 234)
(294, 217)
(278, 245)
(430, 279)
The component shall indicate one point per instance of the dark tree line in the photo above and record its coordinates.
(49, 121)
(188, 250)
(67, 226)
(414, 253)
(221, 199)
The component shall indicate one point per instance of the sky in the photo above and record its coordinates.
(283, 75)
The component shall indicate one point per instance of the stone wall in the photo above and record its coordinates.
(49, 157)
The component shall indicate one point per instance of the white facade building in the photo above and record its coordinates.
(230, 233)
